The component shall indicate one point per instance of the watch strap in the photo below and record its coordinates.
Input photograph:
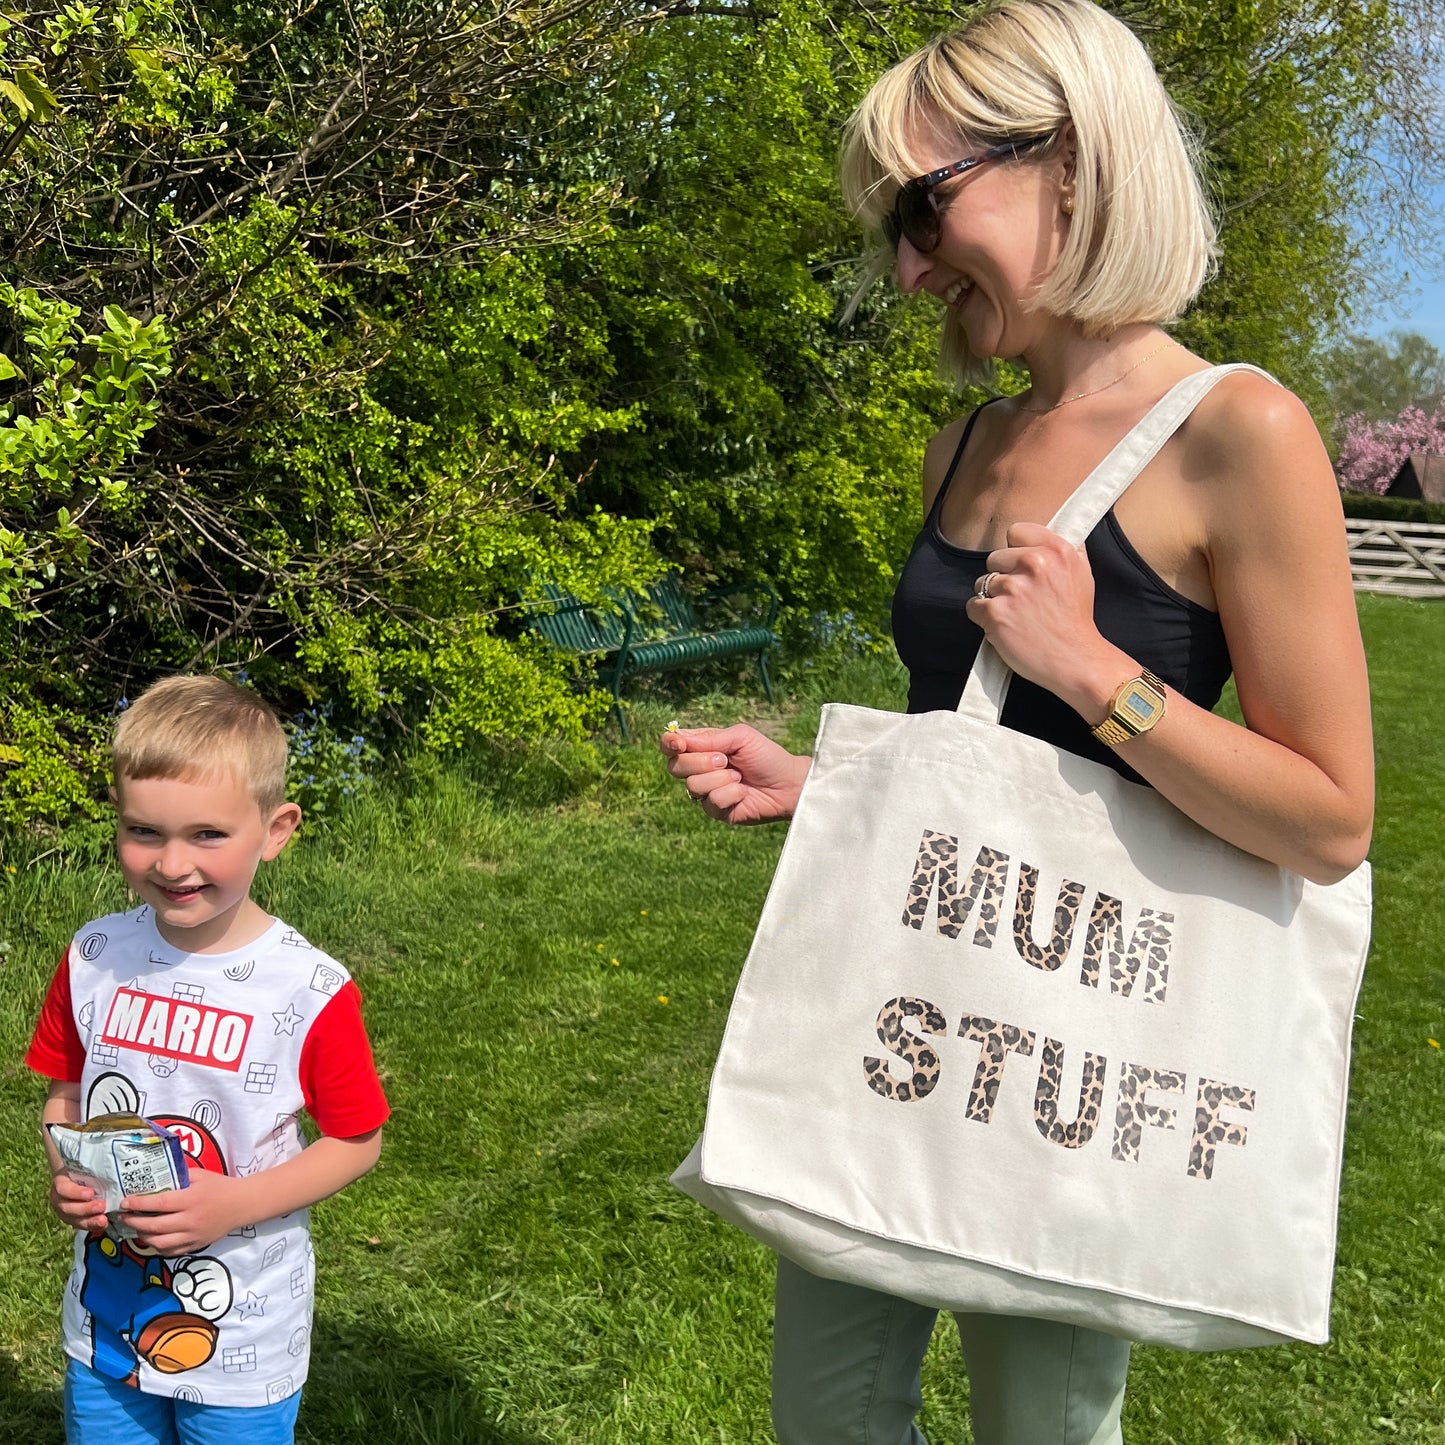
(1113, 732)
(1115, 729)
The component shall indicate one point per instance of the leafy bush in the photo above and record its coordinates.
(52, 764)
(1392, 509)
(327, 764)
(328, 331)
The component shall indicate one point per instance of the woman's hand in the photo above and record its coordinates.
(78, 1205)
(736, 773)
(1039, 616)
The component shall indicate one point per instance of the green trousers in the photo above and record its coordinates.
(846, 1365)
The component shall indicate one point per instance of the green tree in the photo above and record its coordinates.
(332, 327)
(769, 442)
(1287, 96)
(769, 439)
(1378, 379)
(226, 231)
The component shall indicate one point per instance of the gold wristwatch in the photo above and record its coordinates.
(1134, 709)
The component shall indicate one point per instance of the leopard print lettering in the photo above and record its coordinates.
(1158, 929)
(905, 1044)
(1134, 1111)
(1106, 919)
(1046, 1097)
(1066, 918)
(998, 1040)
(1150, 944)
(937, 863)
(937, 859)
(1211, 1129)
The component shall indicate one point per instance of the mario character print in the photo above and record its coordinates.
(143, 1307)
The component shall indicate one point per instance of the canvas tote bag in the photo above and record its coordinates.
(1015, 1035)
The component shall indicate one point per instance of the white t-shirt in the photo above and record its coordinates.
(225, 1050)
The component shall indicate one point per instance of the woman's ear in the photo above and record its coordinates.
(1064, 159)
(1068, 151)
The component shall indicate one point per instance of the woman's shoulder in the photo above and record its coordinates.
(939, 454)
(943, 444)
(1255, 444)
(1248, 414)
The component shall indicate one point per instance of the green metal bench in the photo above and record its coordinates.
(655, 630)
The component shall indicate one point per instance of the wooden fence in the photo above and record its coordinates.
(1405, 558)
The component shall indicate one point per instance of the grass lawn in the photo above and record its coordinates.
(546, 985)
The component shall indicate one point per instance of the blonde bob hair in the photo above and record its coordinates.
(1141, 242)
(191, 728)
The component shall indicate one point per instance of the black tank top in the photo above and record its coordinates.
(1133, 607)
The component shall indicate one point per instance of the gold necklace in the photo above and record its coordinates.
(1079, 396)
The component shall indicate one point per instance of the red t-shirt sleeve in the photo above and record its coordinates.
(338, 1078)
(55, 1048)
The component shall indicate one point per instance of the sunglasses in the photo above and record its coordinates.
(917, 214)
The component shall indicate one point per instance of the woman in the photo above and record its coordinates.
(1030, 173)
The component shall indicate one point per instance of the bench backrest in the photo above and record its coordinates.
(569, 624)
(662, 609)
(667, 595)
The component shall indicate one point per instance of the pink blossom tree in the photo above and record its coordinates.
(1371, 451)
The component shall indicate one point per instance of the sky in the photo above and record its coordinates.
(1423, 311)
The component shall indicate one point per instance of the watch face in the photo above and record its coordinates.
(1143, 707)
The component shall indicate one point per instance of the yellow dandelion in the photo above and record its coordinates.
(1433, 1043)
(615, 962)
(662, 998)
(600, 949)
(644, 911)
(9, 867)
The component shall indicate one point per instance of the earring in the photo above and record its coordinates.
(1067, 205)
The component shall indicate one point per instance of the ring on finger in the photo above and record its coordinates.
(981, 588)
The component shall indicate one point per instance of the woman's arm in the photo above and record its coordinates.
(738, 774)
(1296, 785)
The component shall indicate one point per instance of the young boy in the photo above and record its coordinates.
(206, 1015)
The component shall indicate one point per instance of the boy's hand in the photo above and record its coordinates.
(78, 1205)
(189, 1220)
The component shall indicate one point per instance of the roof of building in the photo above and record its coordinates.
(1421, 474)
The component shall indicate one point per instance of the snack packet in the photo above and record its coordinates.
(121, 1154)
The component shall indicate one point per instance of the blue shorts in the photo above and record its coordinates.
(105, 1412)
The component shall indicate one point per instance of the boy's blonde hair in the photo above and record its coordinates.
(183, 726)
(1142, 241)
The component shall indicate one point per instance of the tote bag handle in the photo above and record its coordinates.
(988, 680)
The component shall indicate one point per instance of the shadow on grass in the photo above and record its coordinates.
(28, 1416)
(369, 1385)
